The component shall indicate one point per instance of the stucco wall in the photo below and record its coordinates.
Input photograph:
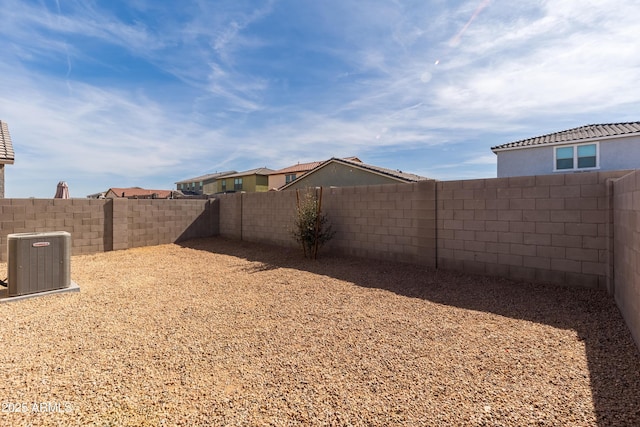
(1, 181)
(278, 180)
(525, 162)
(340, 175)
(621, 153)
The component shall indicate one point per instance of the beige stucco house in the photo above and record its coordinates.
(345, 173)
(205, 184)
(254, 180)
(286, 175)
(7, 155)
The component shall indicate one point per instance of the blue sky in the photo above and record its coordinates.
(149, 92)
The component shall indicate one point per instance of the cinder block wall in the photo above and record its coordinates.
(103, 225)
(268, 217)
(156, 221)
(392, 222)
(551, 228)
(83, 218)
(230, 208)
(626, 237)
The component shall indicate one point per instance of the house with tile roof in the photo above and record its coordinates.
(254, 180)
(140, 193)
(204, 184)
(7, 155)
(346, 173)
(598, 147)
(285, 175)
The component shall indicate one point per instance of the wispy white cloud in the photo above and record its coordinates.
(240, 84)
(548, 65)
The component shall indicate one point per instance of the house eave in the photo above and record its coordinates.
(570, 142)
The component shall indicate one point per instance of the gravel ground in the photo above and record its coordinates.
(218, 332)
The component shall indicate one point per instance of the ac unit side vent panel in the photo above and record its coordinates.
(38, 262)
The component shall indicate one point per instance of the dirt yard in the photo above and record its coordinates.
(217, 332)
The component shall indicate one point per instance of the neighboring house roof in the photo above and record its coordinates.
(258, 171)
(579, 134)
(300, 167)
(140, 192)
(206, 177)
(304, 167)
(97, 195)
(395, 174)
(7, 156)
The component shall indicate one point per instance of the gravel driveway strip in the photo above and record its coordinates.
(220, 332)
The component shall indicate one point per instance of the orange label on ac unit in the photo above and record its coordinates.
(40, 244)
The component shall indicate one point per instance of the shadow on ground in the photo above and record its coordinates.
(613, 358)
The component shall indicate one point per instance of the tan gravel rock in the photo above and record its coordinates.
(218, 332)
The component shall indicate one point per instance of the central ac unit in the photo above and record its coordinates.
(38, 262)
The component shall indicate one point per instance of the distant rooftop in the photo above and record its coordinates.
(7, 155)
(258, 171)
(397, 174)
(132, 192)
(577, 134)
(304, 167)
(206, 177)
(405, 176)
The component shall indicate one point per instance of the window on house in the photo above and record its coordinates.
(224, 185)
(237, 184)
(201, 185)
(587, 156)
(583, 156)
(288, 178)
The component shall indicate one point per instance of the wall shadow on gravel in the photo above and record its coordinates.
(613, 358)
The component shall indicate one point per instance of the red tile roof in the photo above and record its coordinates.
(300, 167)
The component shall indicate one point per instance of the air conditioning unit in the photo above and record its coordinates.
(38, 262)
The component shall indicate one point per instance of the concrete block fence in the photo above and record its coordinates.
(392, 222)
(626, 250)
(108, 224)
(552, 228)
(570, 229)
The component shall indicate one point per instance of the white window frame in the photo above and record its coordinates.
(575, 157)
(237, 184)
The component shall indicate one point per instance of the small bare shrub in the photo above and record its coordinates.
(312, 228)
